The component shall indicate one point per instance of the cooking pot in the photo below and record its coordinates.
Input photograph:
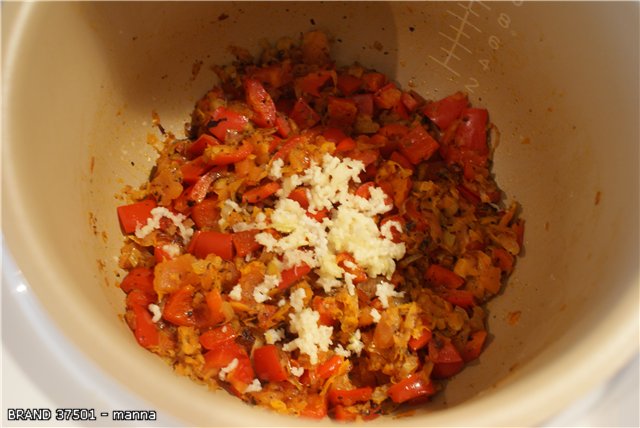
(560, 80)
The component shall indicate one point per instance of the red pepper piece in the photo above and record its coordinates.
(439, 275)
(245, 242)
(260, 193)
(204, 243)
(291, 275)
(178, 308)
(224, 120)
(261, 103)
(303, 115)
(268, 364)
(411, 387)
(135, 214)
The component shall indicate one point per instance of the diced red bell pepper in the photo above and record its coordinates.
(367, 157)
(470, 149)
(230, 156)
(145, 331)
(318, 215)
(316, 407)
(346, 145)
(330, 367)
(135, 214)
(217, 337)
(261, 103)
(440, 275)
(268, 365)
(409, 101)
(395, 233)
(388, 96)
(463, 298)
(191, 171)
(347, 262)
(313, 82)
(214, 303)
(139, 298)
(201, 187)
(341, 413)
(224, 120)
(334, 135)
(292, 275)
(446, 359)
(287, 147)
(319, 304)
(446, 370)
(373, 81)
(364, 102)
(473, 347)
(471, 134)
(418, 145)
(206, 214)
(303, 115)
(275, 76)
(341, 112)
(160, 254)
(446, 110)
(401, 160)
(204, 243)
(260, 193)
(245, 242)
(178, 309)
(421, 341)
(348, 84)
(182, 204)
(411, 387)
(400, 110)
(394, 131)
(242, 375)
(364, 190)
(197, 147)
(441, 350)
(299, 194)
(282, 125)
(274, 143)
(138, 278)
(204, 316)
(221, 356)
(349, 397)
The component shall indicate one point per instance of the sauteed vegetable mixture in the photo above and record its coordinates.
(323, 241)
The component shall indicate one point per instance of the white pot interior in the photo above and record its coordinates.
(82, 79)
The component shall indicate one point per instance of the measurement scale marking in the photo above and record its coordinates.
(481, 3)
(465, 8)
(451, 39)
(447, 52)
(467, 23)
(445, 65)
(460, 31)
(458, 34)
